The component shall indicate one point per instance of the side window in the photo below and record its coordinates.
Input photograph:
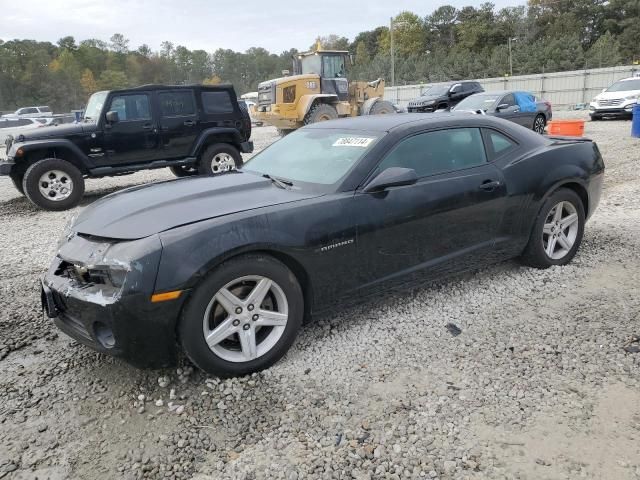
(216, 102)
(468, 87)
(23, 122)
(438, 152)
(131, 107)
(30, 110)
(498, 143)
(178, 103)
(45, 109)
(509, 100)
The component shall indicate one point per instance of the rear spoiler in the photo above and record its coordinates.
(556, 139)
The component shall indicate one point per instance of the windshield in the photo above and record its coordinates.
(317, 156)
(477, 102)
(94, 106)
(311, 64)
(437, 90)
(624, 86)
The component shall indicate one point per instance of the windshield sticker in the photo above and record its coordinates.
(362, 142)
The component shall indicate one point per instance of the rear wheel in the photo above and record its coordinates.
(53, 184)
(243, 317)
(558, 231)
(539, 123)
(595, 117)
(382, 107)
(184, 170)
(321, 112)
(219, 158)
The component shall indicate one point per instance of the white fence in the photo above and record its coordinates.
(562, 89)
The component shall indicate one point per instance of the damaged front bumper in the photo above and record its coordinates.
(99, 292)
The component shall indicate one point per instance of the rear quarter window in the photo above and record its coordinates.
(177, 103)
(216, 102)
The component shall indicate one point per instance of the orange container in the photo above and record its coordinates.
(570, 128)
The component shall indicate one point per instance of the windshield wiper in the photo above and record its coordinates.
(280, 182)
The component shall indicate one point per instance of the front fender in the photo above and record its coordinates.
(78, 156)
(306, 101)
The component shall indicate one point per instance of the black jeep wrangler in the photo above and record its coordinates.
(190, 129)
(443, 96)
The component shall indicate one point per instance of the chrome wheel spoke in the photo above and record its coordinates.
(548, 228)
(248, 343)
(551, 246)
(558, 212)
(267, 318)
(564, 241)
(256, 297)
(228, 300)
(568, 220)
(221, 332)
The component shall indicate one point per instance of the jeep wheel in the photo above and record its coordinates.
(17, 182)
(219, 158)
(53, 184)
(184, 170)
(320, 113)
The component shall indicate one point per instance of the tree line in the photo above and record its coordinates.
(448, 44)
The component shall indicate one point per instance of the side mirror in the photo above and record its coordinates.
(392, 177)
(502, 106)
(112, 116)
(603, 90)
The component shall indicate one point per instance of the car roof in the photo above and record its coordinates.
(387, 123)
(222, 86)
(502, 92)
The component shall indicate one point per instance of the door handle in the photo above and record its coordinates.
(490, 185)
(147, 127)
(189, 123)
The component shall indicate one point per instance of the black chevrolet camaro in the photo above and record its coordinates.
(227, 267)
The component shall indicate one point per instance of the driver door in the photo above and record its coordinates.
(447, 221)
(508, 109)
(334, 77)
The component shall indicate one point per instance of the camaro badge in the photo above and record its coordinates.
(326, 248)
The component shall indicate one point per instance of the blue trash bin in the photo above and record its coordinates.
(635, 123)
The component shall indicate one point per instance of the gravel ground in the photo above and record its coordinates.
(537, 385)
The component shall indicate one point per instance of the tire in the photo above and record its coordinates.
(65, 193)
(181, 171)
(382, 107)
(595, 118)
(219, 158)
(321, 112)
(536, 253)
(539, 124)
(17, 182)
(246, 119)
(204, 315)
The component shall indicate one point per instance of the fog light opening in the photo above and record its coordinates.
(104, 335)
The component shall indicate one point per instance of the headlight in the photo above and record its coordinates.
(427, 103)
(632, 97)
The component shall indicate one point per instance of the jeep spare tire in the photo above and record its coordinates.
(219, 158)
(53, 184)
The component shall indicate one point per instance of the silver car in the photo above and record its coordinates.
(517, 106)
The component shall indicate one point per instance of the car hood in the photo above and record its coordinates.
(144, 210)
(425, 98)
(615, 95)
(57, 131)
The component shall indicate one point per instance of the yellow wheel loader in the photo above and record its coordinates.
(318, 91)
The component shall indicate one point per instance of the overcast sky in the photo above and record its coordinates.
(237, 25)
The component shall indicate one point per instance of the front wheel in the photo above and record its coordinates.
(539, 123)
(557, 233)
(243, 317)
(219, 158)
(53, 184)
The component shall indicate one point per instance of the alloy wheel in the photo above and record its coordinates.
(538, 125)
(245, 318)
(55, 185)
(560, 230)
(222, 162)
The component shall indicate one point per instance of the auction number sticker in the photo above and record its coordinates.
(362, 142)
